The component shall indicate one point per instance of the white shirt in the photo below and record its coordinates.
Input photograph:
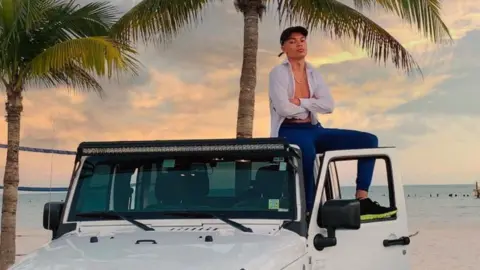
(282, 88)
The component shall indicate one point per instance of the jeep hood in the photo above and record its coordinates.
(168, 250)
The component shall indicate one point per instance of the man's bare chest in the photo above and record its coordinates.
(301, 88)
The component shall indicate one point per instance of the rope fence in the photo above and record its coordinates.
(43, 150)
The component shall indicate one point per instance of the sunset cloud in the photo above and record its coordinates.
(190, 90)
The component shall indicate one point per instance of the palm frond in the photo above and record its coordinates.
(425, 14)
(72, 76)
(64, 21)
(98, 55)
(158, 20)
(31, 12)
(17, 18)
(8, 9)
(92, 19)
(61, 42)
(20, 15)
(340, 20)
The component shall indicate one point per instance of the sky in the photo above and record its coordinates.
(189, 89)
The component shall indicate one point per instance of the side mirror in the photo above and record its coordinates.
(333, 215)
(52, 212)
(340, 214)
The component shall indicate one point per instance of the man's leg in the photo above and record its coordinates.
(342, 139)
(304, 138)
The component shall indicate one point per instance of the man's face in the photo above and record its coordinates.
(295, 47)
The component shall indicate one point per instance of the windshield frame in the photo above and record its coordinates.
(152, 216)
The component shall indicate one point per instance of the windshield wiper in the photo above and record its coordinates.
(230, 222)
(113, 214)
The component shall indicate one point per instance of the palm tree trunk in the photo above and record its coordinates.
(251, 10)
(14, 108)
(248, 79)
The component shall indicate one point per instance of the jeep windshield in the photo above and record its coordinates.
(142, 187)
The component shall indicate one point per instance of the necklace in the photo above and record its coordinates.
(299, 82)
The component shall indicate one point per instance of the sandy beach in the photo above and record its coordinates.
(445, 249)
(28, 241)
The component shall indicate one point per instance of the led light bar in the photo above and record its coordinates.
(205, 146)
(176, 149)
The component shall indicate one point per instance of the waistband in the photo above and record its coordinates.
(300, 125)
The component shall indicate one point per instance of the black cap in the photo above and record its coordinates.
(289, 31)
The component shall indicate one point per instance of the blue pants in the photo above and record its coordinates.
(309, 137)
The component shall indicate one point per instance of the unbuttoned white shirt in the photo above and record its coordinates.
(282, 89)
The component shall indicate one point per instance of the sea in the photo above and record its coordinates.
(446, 217)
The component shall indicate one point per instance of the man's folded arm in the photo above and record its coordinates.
(279, 98)
(322, 101)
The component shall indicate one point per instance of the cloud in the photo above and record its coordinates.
(457, 96)
(190, 90)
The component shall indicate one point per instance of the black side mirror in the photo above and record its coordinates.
(52, 213)
(340, 214)
(337, 214)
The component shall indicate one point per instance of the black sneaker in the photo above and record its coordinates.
(370, 210)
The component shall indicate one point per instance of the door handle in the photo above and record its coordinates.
(402, 241)
(146, 240)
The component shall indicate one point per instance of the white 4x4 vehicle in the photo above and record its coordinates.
(225, 204)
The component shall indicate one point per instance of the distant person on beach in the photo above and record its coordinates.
(297, 93)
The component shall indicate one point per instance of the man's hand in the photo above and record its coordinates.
(295, 101)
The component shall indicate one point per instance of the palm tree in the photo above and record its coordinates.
(161, 20)
(47, 43)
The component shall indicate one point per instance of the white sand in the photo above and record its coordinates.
(435, 248)
(455, 249)
(28, 241)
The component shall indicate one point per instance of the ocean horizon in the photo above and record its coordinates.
(46, 187)
(423, 202)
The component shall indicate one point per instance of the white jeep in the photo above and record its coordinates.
(224, 204)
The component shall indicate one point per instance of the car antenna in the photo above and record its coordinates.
(51, 169)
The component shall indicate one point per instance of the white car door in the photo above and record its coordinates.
(375, 245)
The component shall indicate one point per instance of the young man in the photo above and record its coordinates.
(297, 93)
